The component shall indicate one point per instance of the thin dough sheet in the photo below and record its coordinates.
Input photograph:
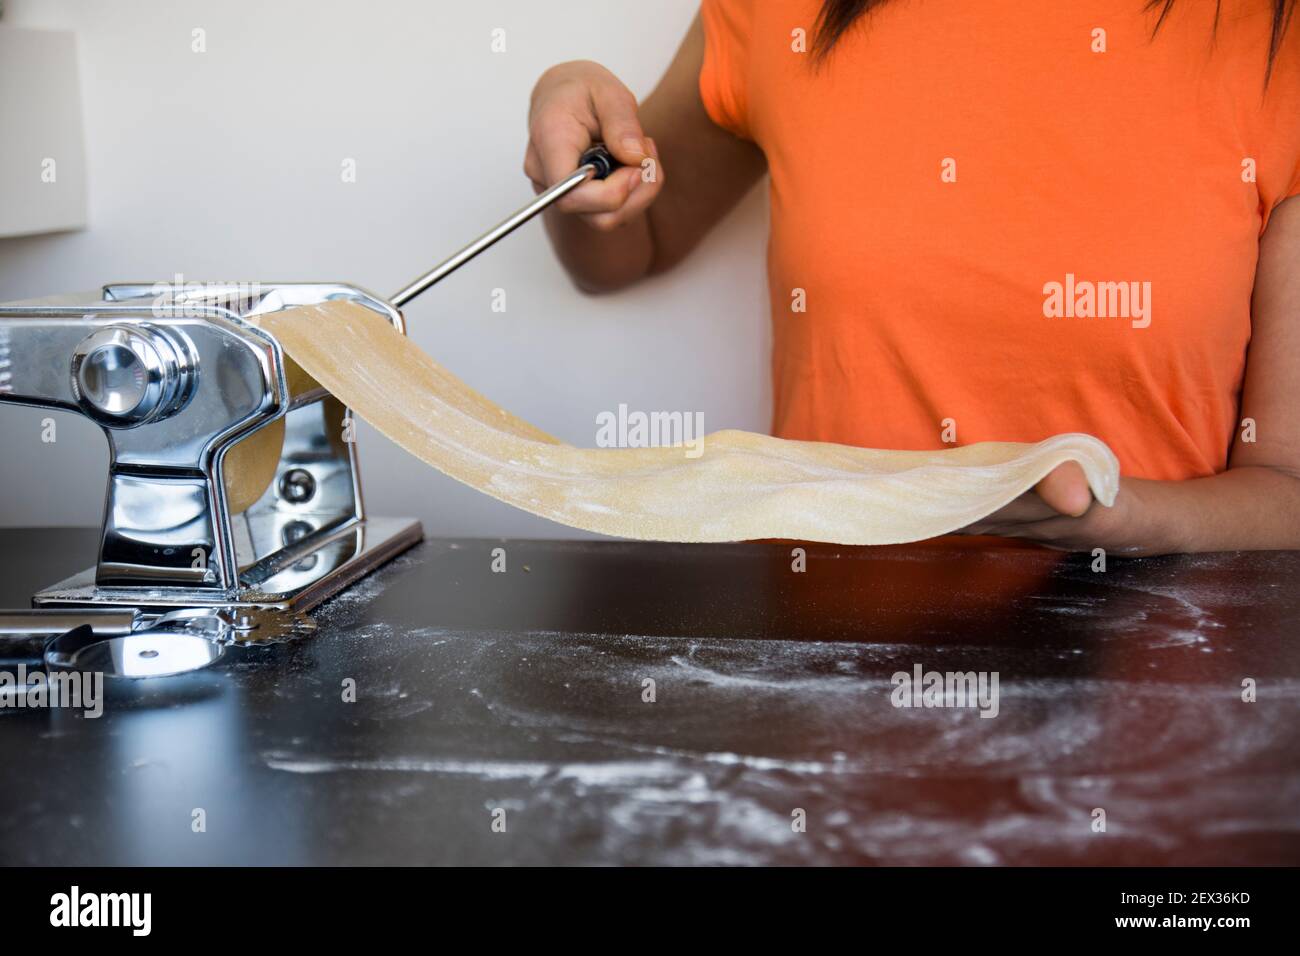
(742, 486)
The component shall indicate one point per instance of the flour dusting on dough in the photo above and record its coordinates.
(743, 486)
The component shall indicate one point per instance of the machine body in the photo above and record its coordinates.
(177, 375)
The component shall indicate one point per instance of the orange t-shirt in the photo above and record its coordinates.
(999, 220)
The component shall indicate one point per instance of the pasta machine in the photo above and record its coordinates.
(234, 499)
(179, 377)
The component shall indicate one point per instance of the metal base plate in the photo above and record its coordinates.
(302, 576)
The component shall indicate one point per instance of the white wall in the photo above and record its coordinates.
(226, 165)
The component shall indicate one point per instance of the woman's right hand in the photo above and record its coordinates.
(575, 105)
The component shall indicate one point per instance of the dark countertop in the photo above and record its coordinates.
(522, 692)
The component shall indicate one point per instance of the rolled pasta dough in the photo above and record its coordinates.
(742, 486)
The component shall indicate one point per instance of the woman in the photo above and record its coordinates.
(990, 221)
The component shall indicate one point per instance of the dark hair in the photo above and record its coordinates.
(837, 16)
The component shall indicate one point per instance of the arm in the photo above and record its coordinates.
(609, 234)
(1255, 504)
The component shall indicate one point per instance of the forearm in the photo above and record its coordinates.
(1241, 508)
(601, 260)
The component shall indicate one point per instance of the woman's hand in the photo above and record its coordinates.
(1060, 512)
(1245, 507)
(573, 106)
(609, 234)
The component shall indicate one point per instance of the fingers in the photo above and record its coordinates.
(1065, 490)
(644, 184)
(574, 106)
(1047, 513)
(616, 115)
(557, 135)
(1024, 510)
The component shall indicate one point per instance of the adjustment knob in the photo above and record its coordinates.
(128, 375)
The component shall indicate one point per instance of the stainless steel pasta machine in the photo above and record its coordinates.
(180, 378)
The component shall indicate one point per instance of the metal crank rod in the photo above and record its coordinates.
(596, 163)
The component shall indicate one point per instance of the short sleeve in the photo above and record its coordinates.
(1279, 167)
(724, 76)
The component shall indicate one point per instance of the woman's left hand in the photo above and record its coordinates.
(1059, 512)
